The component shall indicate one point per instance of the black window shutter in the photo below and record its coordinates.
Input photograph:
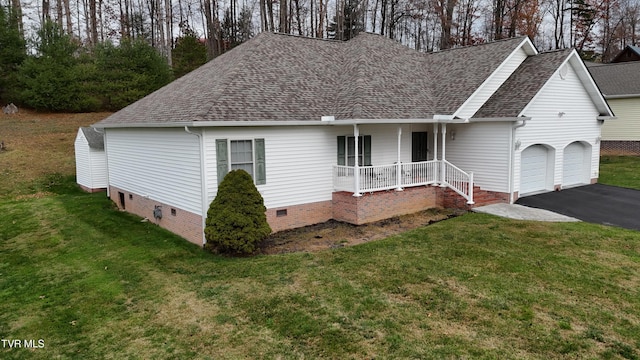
(342, 149)
(367, 150)
(261, 170)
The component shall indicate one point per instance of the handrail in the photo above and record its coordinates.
(459, 181)
(385, 177)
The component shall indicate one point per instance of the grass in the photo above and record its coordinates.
(93, 282)
(621, 171)
(96, 283)
(37, 146)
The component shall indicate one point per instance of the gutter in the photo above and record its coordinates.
(203, 185)
(623, 96)
(199, 124)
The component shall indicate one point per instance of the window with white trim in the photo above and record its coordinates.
(247, 155)
(241, 155)
(347, 150)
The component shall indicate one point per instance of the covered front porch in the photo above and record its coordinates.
(359, 177)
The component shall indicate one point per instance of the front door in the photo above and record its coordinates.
(419, 146)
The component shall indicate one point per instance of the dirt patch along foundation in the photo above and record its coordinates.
(334, 234)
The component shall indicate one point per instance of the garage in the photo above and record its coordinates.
(575, 170)
(534, 168)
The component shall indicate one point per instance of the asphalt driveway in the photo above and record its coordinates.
(600, 204)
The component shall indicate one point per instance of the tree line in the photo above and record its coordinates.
(183, 34)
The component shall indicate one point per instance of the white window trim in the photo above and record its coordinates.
(253, 156)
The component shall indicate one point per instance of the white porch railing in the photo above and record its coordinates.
(459, 181)
(385, 177)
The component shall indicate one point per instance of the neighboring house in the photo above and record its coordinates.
(91, 160)
(334, 130)
(620, 85)
(629, 53)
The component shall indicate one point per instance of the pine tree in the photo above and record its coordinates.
(188, 54)
(347, 24)
(12, 54)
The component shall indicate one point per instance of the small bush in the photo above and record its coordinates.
(236, 220)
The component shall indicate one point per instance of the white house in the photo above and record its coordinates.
(357, 131)
(91, 160)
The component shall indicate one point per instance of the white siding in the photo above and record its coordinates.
(98, 159)
(481, 148)
(299, 160)
(484, 92)
(91, 164)
(384, 143)
(561, 113)
(626, 127)
(83, 163)
(163, 164)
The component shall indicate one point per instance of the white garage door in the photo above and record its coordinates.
(573, 171)
(533, 174)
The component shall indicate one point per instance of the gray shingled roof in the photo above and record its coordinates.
(276, 77)
(617, 79)
(459, 72)
(520, 88)
(94, 138)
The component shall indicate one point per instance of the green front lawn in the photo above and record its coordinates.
(621, 171)
(93, 282)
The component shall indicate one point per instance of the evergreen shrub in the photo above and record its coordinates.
(236, 220)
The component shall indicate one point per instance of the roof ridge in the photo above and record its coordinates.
(359, 79)
(476, 45)
(554, 51)
(299, 36)
(624, 63)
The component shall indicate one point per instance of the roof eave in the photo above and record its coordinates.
(621, 96)
(274, 123)
(499, 119)
(590, 85)
(181, 124)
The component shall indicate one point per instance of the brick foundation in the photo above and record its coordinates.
(291, 217)
(614, 147)
(183, 223)
(382, 205)
(344, 206)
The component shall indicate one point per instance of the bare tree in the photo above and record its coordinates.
(17, 8)
(445, 13)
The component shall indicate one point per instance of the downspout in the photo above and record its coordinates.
(203, 186)
(106, 157)
(512, 154)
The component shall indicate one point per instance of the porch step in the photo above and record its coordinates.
(484, 197)
(480, 198)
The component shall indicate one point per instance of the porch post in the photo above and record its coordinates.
(442, 164)
(356, 166)
(398, 163)
(435, 141)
